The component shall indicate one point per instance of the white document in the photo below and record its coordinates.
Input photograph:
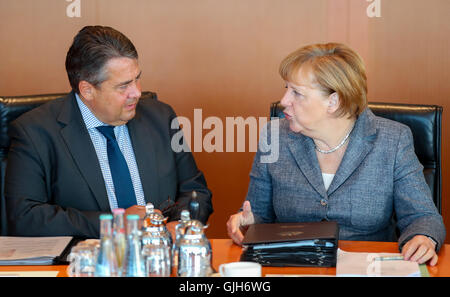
(31, 250)
(364, 264)
(28, 273)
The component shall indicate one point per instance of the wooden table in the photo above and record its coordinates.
(224, 251)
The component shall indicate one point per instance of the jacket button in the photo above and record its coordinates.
(323, 202)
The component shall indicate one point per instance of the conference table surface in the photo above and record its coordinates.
(225, 251)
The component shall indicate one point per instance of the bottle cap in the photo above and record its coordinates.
(132, 217)
(185, 215)
(149, 208)
(106, 216)
(118, 211)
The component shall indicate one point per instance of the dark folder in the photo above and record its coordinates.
(292, 244)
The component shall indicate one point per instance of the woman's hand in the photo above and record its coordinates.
(238, 223)
(420, 249)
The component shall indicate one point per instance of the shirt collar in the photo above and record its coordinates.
(89, 118)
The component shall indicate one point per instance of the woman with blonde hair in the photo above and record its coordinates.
(340, 162)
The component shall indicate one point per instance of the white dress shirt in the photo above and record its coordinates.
(99, 142)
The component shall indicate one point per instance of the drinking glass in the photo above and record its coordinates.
(157, 260)
(82, 260)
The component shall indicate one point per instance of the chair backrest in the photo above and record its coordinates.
(11, 108)
(425, 123)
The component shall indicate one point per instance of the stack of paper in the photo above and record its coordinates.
(31, 250)
(29, 273)
(366, 264)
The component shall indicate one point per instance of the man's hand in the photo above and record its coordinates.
(238, 223)
(135, 209)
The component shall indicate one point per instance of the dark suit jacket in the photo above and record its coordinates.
(54, 185)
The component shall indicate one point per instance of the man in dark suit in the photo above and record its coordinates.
(97, 149)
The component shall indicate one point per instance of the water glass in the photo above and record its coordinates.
(157, 260)
(82, 261)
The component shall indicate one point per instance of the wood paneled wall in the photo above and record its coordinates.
(223, 56)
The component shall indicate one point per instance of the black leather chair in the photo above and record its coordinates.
(425, 123)
(11, 108)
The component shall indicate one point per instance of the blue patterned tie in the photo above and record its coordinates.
(119, 170)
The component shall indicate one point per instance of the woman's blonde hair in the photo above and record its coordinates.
(335, 68)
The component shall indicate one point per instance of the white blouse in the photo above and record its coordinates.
(327, 179)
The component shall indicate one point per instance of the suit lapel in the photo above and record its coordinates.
(80, 146)
(302, 148)
(141, 136)
(360, 144)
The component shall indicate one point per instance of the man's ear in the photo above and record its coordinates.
(333, 102)
(86, 90)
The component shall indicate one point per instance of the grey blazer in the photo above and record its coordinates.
(379, 176)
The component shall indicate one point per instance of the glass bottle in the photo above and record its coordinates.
(133, 264)
(119, 236)
(149, 208)
(106, 264)
(194, 256)
(179, 232)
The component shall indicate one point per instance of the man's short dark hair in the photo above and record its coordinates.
(91, 49)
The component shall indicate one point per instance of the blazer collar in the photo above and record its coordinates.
(79, 144)
(360, 144)
(142, 135)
